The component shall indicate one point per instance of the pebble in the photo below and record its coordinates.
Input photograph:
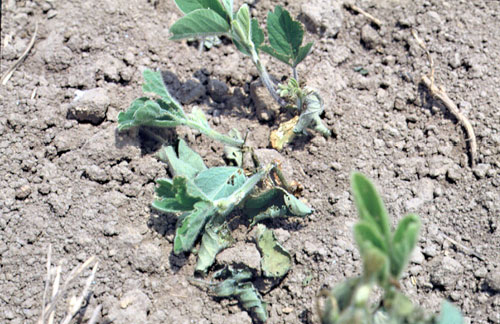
(481, 170)
(90, 106)
(23, 192)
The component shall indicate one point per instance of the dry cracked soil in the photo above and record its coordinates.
(69, 179)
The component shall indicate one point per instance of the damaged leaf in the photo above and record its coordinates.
(284, 134)
(214, 240)
(276, 261)
(275, 202)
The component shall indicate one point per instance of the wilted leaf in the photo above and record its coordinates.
(214, 240)
(220, 182)
(237, 286)
(275, 261)
(370, 205)
(284, 134)
(403, 242)
(187, 164)
(199, 23)
(176, 195)
(310, 117)
(275, 202)
(192, 224)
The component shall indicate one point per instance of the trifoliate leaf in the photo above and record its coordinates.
(214, 240)
(153, 83)
(191, 226)
(257, 33)
(404, 240)
(276, 261)
(285, 34)
(228, 7)
(199, 23)
(373, 249)
(126, 118)
(369, 204)
(302, 53)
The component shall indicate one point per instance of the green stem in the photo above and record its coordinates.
(264, 76)
(214, 134)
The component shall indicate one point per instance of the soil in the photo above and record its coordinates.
(69, 179)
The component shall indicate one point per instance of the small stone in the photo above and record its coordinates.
(434, 16)
(369, 37)
(217, 90)
(455, 61)
(191, 91)
(417, 256)
(23, 192)
(481, 272)
(95, 173)
(430, 250)
(481, 170)
(493, 281)
(51, 14)
(336, 166)
(90, 106)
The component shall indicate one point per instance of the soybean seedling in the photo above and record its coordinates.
(209, 18)
(385, 254)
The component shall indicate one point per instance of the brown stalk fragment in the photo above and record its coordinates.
(357, 9)
(440, 94)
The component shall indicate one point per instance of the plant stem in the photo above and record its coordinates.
(264, 76)
(214, 134)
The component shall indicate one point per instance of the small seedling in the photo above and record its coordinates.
(206, 196)
(213, 18)
(165, 111)
(385, 254)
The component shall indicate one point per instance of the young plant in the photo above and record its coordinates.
(385, 254)
(165, 111)
(206, 196)
(209, 18)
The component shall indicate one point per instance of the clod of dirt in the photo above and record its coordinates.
(493, 281)
(445, 271)
(90, 106)
(132, 308)
(322, 17)
(265, 106)
(267, 156)
(217, 90)
(369, 37)
(191, 91)
(241, 253)
(23, 192)
(148, 258)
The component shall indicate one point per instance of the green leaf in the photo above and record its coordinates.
(176, 195)
(276, 261)
(240, 30)
(153, 83)
(275, 202)
(228, 7)
(220, 182)
(404, 240)
(186, 164)
(302, 53)
(126, 118)
(373, 250)
(187, 6)
(370, 205)
(199, 23)
(269, 50)
(449, 314)
(214, 240)
(257, 33)
(191, 226)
